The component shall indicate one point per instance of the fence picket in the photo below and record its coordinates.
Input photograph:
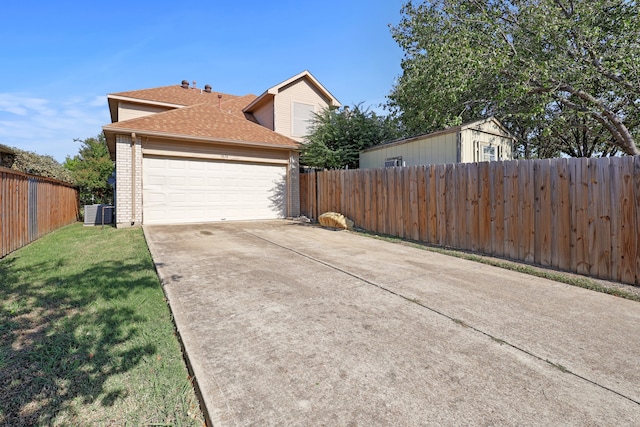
(562, 232)
(399, 202)
(405, 202)
(497, 208)
(421, 182)
(636, 213)
(450, 206)
(525, 241)
(628, 215)
(543, 214)
(384, 200)
(593, 191)
(617, 215)
(484, 208)
(511, 204)
(461, 238)
(413, 220)
(473, 196)
(432, 205)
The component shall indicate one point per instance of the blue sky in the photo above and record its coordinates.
(60, 59)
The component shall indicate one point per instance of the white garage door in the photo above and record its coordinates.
(186, 190)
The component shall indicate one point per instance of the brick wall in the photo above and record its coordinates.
(128, 211)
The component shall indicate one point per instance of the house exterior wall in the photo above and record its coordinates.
(128, 181)
(293, 185)
(487, 135)
(437, 149)
(464, 145)
(128, 111)
(299, 91)
(264, 115)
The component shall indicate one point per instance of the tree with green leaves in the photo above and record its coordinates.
(555, 72)
(40, 164)
(338, 135)
(91, 169)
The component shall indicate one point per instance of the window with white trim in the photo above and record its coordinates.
(488, 153)
(301, 116)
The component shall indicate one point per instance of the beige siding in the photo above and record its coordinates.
(128, 111)
(299, 91)
(442, 148)
(489, 134)
(264, 115)
(429, 150)
(467, 149)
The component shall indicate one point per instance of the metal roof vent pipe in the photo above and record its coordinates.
(185, 84)
(207, 88)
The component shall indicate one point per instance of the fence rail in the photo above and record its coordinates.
(579, 215)
(32, 206)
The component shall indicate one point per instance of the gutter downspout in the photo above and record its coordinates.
(133, 178)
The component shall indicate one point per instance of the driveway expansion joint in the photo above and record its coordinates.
(304, 320)
(459, 322)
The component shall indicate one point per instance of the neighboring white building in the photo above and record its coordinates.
(479, 141)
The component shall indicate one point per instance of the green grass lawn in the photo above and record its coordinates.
(86, 336)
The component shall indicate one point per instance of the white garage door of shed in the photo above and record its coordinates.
(186, 190)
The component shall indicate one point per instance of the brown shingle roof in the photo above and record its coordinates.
(205, 120)
(177, 95)
(209, 115)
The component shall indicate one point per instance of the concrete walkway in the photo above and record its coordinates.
(288, 324)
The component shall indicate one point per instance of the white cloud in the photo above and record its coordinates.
(49, 126)
(21, 105)
(98, 101)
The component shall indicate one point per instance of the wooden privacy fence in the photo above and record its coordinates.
(32, 206)
(580, 215)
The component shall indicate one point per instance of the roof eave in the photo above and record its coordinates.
(145, 101)
(333, 101)
(259, 100)
(139, 132)
(401, 141)
(489, 119)
(111, 143)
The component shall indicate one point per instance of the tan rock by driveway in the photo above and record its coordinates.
(287, 324)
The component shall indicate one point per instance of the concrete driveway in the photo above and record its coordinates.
(288, 324)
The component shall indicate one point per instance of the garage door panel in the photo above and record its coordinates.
(176, 198)
(156, 199)
(185, 190)
(174, 164)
